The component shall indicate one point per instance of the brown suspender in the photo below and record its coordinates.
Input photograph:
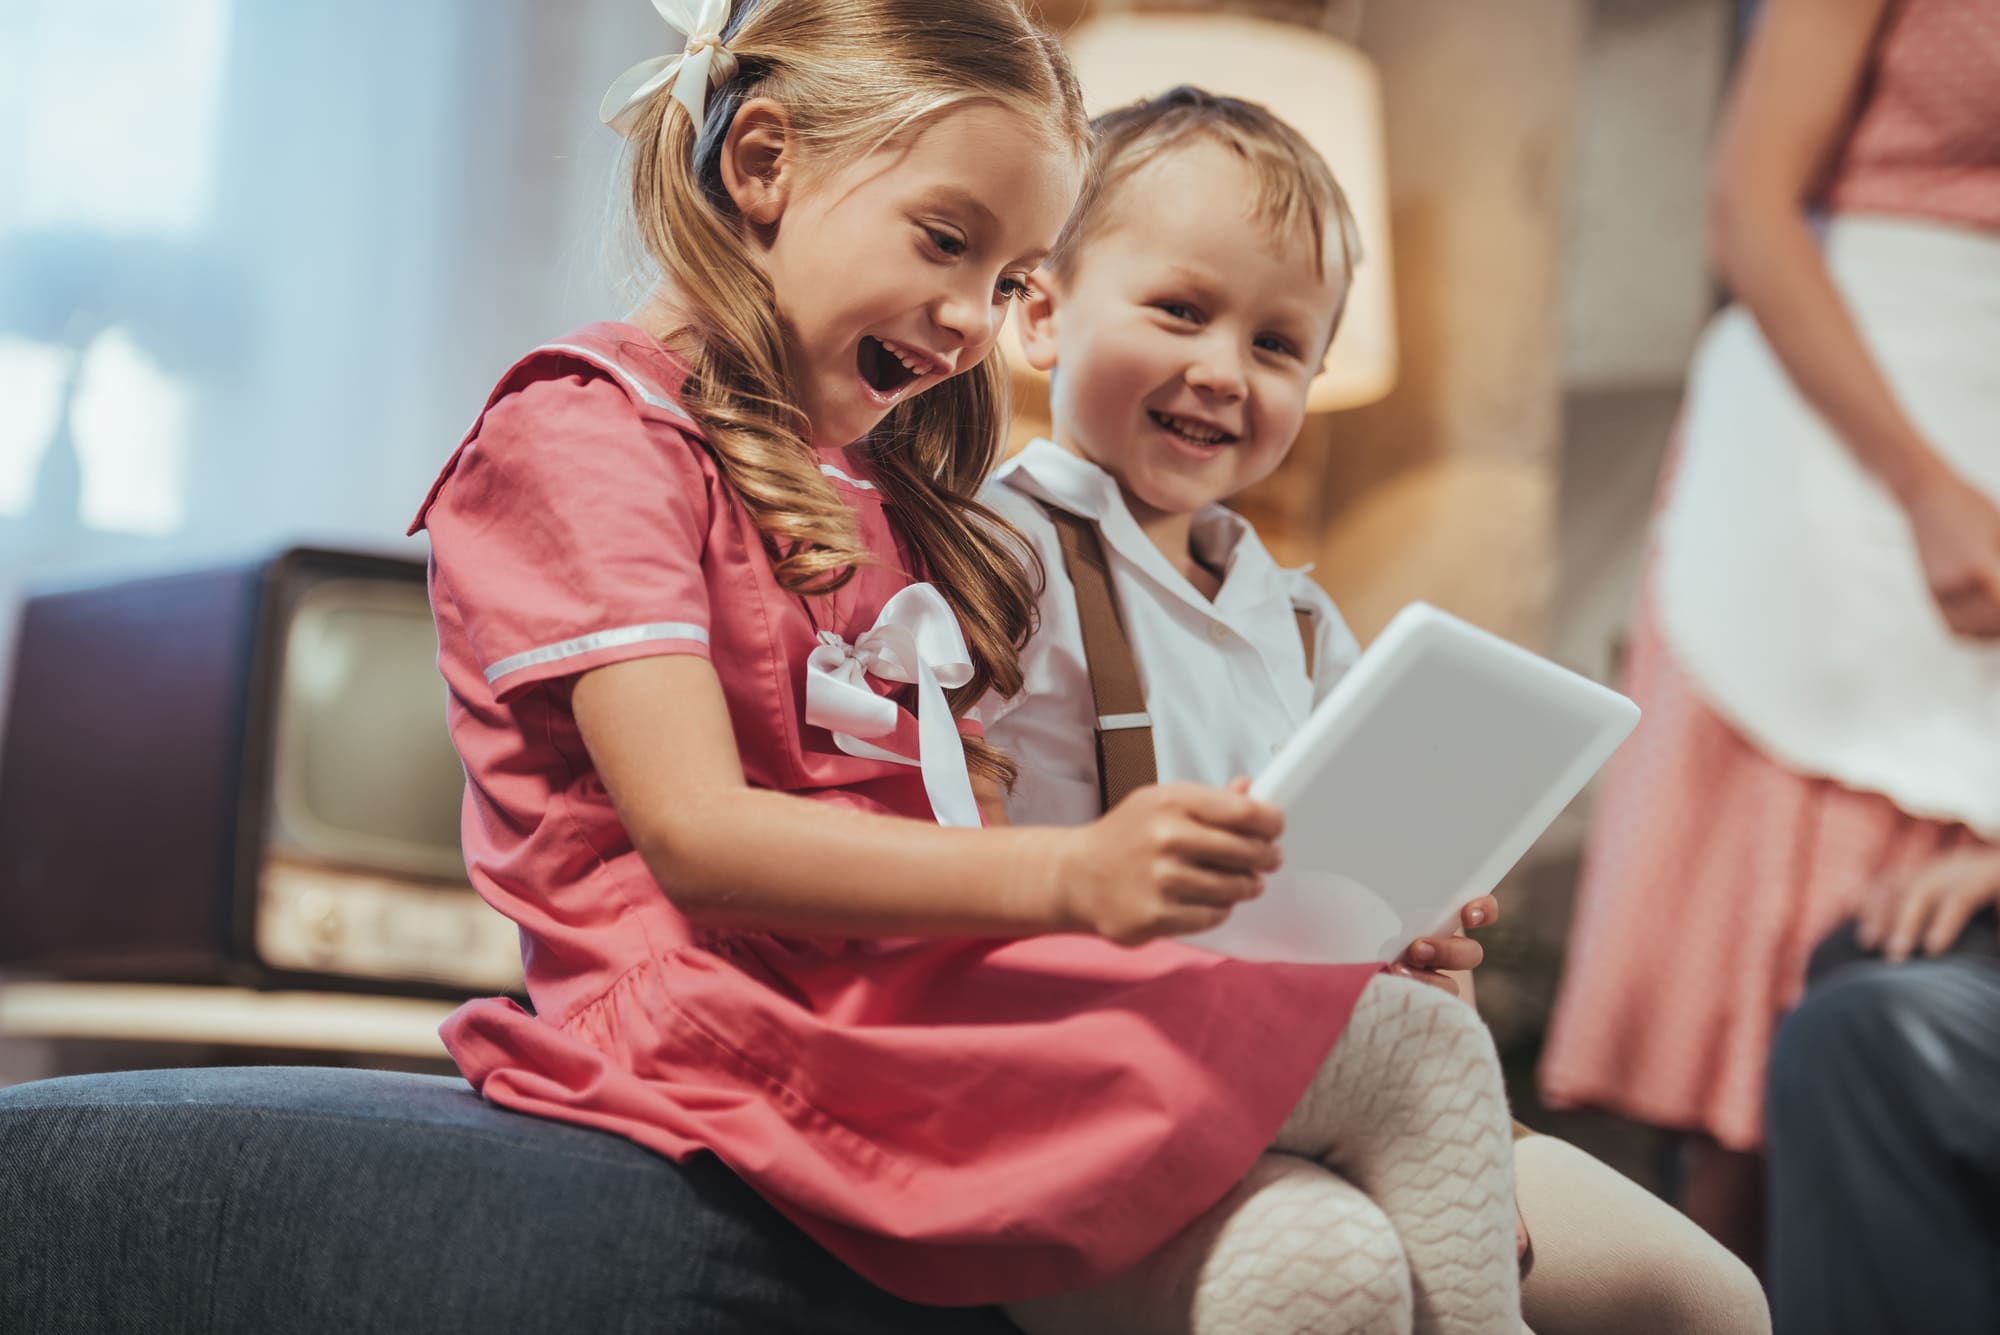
(1124, 732)
(1124, 729)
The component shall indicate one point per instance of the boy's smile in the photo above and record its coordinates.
(1184, 337)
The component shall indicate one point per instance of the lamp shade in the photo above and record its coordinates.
(1325, 89)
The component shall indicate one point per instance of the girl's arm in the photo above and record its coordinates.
(1787, 118)
(1173, 859)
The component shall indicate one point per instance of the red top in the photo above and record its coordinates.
(961, 1121)
(1926, 136)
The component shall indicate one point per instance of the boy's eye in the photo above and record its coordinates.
(1178, 310)
(946, 242)
(1273, 343)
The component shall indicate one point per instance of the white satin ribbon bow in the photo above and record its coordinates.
(916, 639)
(704, 61)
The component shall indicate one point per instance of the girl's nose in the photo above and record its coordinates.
(973, 318)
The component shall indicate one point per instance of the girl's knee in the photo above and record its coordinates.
(1309, 1252)
(1428, 1020)
(1312, 1278)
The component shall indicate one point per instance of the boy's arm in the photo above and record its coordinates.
(992, 799)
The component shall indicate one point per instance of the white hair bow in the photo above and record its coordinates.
(915, 639)
(704, 62)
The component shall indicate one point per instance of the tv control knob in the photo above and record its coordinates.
(319, 913)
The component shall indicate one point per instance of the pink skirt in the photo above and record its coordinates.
(1711, 874)
(959, 1121)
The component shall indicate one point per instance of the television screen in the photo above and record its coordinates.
(363, 771)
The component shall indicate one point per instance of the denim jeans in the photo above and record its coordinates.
(290, 1199)
(1884, 1124)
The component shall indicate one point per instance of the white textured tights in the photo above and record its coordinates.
(1387, 1205)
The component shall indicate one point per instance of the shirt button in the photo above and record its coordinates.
(1277, 747)
(1217, 631)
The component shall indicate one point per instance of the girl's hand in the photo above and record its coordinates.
(1930, 905)
(1957, 529)
(1170, 859)
(1429, 956)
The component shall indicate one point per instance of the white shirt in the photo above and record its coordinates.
(1225, 680)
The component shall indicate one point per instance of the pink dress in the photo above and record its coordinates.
(961, 1121)
(1713, 870)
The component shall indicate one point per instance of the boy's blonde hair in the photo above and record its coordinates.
(853, 76)
(1297, 194)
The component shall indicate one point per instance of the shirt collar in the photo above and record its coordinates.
(1050, 473)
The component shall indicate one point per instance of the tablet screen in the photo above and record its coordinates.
(1413, 788)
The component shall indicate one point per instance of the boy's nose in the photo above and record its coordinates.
(1218, 374)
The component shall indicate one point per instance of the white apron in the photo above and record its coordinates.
(1788, 585)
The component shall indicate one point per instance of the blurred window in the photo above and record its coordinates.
(120, 99)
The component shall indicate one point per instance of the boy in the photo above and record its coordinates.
(1182, 328)
(1191, 299)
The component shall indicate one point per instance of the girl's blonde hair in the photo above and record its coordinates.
(853, 76)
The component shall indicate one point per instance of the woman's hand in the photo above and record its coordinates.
(1429, 957)
(1957, 530)
(1168, 860)
(1928, 907)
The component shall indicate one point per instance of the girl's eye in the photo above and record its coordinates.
(1012, 289)
(947, 243)
(1273, 343)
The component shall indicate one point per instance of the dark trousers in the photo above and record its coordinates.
(1884, 1131)
(292, 1201)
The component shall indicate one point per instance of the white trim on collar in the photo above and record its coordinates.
(632, 382)
(831, 471)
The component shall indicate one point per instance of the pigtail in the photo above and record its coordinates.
(740, 369)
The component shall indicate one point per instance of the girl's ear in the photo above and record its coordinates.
(758, 163)
(1038, 317)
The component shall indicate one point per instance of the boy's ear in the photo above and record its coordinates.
(758, 164)
(1039, 315)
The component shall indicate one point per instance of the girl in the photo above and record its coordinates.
(713, 599)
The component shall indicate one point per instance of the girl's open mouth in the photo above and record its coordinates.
(886, 369)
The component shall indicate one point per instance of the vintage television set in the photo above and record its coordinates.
(240, 775)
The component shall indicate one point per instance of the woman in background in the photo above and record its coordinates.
(1816, 650)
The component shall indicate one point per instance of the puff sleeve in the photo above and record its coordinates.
(571, 528)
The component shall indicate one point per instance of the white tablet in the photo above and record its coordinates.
(1421, 778)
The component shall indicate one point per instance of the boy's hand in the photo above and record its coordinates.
(1169, 860)
(1429, 956)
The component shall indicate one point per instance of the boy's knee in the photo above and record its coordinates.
(1658, 1290)
(1612, 1256)
(1715, 1294)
